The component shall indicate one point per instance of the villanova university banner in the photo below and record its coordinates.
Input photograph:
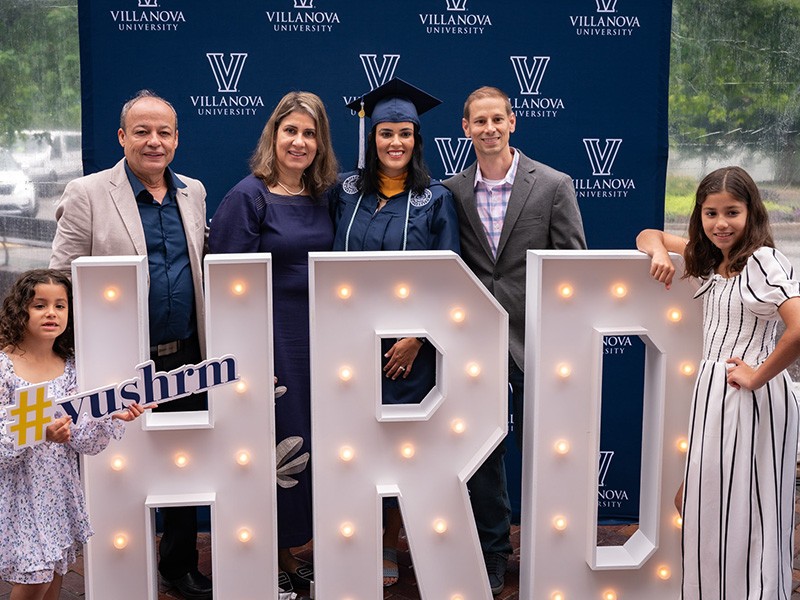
(587, 79)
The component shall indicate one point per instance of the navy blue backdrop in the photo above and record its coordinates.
(588, 81)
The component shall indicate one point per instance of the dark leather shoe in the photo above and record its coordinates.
(496, 564)
(193, 586)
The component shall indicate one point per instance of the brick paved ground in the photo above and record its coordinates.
(406, 588)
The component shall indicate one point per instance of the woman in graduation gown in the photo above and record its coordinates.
(391, 203)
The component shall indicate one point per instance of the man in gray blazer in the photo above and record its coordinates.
(141, 207)
(507, 204)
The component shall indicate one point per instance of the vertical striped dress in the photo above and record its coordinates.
(740, 471)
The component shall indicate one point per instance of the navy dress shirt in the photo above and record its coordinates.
(171, 294)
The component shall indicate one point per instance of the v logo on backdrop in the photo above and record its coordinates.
(456, 5)
(602, 160)
(454, 160)
(529, 77)
(606, 6)
(227, 73)
(605, 465)
(379, 74)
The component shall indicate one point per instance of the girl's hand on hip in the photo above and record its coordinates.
(741, 375)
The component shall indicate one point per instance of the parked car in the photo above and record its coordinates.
(17, 194)
(50, 158)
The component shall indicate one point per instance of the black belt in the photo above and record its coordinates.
(168, 348)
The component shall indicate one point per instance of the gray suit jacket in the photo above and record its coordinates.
(97, 216)
(542, 214)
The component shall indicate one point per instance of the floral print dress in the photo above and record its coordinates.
(43, 515)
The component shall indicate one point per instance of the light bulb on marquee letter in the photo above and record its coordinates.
(407, 451)
(457, 315)
(118, 463)
(346, 453)
(240, 387)
(609, 595)
(473, 369)
(111, 294)
(561, 447)
(664, 573)
(564, 370)
(458, 426)
(347, 529)
(243, 457)
(344, 292)
(345, 373)
(244, 535)
(120, 541)
(565, 290)
(238, 288)
(559, 523)
(181, 460)
(678, 521)
(402, 291)
(619, 290)
(674, 315)
(557, 596)
(440, 525)
(683, 444)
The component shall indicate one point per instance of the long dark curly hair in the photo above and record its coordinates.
(14, 314)
(701, 255)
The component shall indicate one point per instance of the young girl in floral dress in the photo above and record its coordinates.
(43, 518)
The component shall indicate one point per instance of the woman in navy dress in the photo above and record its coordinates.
(282, 208)
(391, 203)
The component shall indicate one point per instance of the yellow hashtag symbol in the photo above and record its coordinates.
(21, 416)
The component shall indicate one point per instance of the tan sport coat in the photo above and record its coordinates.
(97, 216)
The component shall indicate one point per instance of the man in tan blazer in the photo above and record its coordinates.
(141, 207)
(506, 204)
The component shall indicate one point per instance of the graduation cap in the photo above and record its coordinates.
(396, 101)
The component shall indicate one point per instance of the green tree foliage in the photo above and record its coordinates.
(735, 79)
(39, 66)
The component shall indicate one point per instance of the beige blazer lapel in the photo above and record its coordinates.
(192, 209)
(192, 227)
(125, 203)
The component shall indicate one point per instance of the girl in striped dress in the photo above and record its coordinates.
(738, 491)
